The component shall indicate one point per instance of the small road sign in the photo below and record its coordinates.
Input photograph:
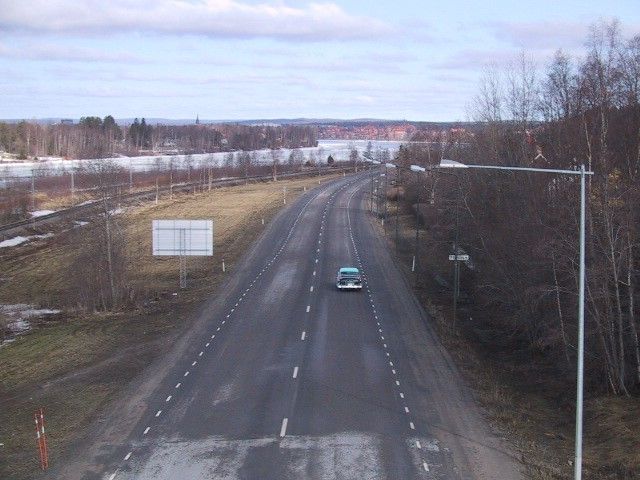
(461, 258)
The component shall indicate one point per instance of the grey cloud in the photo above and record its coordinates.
(568, 35)
(534, 35)
(213, 18)
(474, 60)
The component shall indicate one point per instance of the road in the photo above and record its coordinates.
(284, 377)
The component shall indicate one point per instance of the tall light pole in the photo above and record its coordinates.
(386, 180)
(417, 169)
(397, 204)
(580, 376)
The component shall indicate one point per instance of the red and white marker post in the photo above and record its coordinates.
(42, 439)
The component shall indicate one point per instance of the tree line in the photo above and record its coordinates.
(521, 230)
(95, 137)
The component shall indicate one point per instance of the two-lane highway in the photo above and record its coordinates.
(287, 377)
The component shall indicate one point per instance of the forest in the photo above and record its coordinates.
(95, 137)
(521, 230)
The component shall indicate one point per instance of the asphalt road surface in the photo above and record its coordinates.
(285, 377)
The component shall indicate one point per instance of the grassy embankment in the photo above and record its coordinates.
(74, 364)
(524, 399)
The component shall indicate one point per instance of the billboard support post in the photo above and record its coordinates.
(182, 239)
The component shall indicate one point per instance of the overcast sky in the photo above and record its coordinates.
(240, 59)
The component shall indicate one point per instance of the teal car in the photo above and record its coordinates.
(349, 279)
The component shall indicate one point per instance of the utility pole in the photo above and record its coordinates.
(397, 204)
(33, 189)
(415, 255)
(384, 193)
(371, 196)
(456, 262)
(73, 186)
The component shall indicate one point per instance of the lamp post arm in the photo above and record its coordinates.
(529, 169)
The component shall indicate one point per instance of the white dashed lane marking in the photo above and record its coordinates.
(283, 428)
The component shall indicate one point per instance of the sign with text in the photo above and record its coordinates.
(461, 258)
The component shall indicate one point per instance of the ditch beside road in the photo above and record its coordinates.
(523, 398)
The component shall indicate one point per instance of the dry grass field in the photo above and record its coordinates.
(74, 363)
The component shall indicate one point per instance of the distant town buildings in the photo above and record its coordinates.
(397, 132)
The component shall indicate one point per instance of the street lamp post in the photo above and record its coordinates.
(417, 169)
(397, 204)
(386, 180)
(580, 375)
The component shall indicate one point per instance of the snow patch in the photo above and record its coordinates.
(12, 242)
(42, 213)
(19, 315)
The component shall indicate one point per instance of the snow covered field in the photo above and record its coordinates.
(339, 149)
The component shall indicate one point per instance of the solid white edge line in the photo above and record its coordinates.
(283, 429)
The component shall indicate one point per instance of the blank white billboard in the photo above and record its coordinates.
(183, 237)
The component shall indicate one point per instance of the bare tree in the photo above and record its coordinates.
(100, 267)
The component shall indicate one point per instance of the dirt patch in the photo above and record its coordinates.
(75, 365)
